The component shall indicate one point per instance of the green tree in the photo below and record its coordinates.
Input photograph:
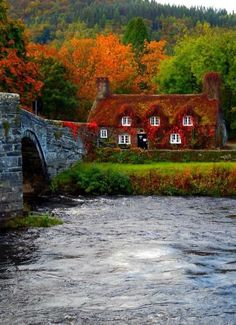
(11, 31)
(136, 34)
(196, 55)
(58, 95)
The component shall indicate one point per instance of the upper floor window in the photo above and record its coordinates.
(103, 133)
(126, 121)
(187, 120)
(175, 138)
(154, 121)
(124, 139)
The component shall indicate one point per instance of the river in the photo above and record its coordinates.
(123, 260)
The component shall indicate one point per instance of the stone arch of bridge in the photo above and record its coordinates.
(34, 166)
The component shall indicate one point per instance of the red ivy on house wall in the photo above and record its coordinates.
(170, 109)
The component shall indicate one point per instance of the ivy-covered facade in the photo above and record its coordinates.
(180, 121)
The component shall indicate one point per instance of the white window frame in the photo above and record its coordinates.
(124, 139)
(175, 138)
(187, 120)
(103, 133)
(154, 120)
(126, 121)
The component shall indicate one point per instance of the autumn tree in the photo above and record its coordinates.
(76, 56)
(103, 56)
(18, 73)
(153, 55)
(115, 61)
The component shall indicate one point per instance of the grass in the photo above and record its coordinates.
(163, 168)
(33, 220)
(162, 178)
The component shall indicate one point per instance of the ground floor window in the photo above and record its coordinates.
(124, 139)
(103, 133)
(175, 138)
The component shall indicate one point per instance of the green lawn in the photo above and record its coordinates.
(165, 168)
(163, 178)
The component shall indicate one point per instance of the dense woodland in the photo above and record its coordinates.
(48, 18)
(54, 53)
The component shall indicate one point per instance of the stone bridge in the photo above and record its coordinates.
(31, 148)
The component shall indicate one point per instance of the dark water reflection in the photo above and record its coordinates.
(126, 260)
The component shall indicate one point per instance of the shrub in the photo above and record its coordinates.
(92, 180)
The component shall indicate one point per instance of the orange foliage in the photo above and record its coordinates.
(103, 56)
(76, 56)
(86, 59)
(39, 51)
(150, 61)
(115, 61)
(18, 75)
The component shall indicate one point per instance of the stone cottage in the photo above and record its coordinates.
(189, 121)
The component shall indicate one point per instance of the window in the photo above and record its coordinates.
(154, 120)
(175, 138)
(126, 121)
(187, 120)
(124, 139)
(103, 133)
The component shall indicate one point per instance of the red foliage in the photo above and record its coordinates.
(86, 131)
(170, 109)
(74, 127)
(211, 85)
(19, 75)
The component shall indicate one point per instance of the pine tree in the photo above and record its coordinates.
(136, 34)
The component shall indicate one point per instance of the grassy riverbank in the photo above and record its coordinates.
(164, 178)
(32, 221)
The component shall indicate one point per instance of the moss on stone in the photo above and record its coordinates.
(6, 128)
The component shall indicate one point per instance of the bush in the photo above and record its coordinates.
(92, 180)
(140, 156)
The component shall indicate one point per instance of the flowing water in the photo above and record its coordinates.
(123, 260)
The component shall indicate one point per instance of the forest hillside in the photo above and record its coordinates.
(49, 19)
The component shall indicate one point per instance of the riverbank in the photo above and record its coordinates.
(163, 178)
(32, 220)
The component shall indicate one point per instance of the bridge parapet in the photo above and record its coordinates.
(57, 146)
(11, 188)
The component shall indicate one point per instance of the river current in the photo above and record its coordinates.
(123, 260)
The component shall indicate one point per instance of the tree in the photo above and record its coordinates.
(153, 54)
(58, 95)
(195, 56)
(136, 34)
(104, 56)
(18, 72)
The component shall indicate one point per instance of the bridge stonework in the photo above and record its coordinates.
(56, 146)
(11, 188)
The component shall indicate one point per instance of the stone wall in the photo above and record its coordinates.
(57, 147)
(11, 195)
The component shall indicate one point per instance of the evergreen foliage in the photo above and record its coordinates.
(136, 34)
(46, 17)
(59, 94)
(11, 31)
